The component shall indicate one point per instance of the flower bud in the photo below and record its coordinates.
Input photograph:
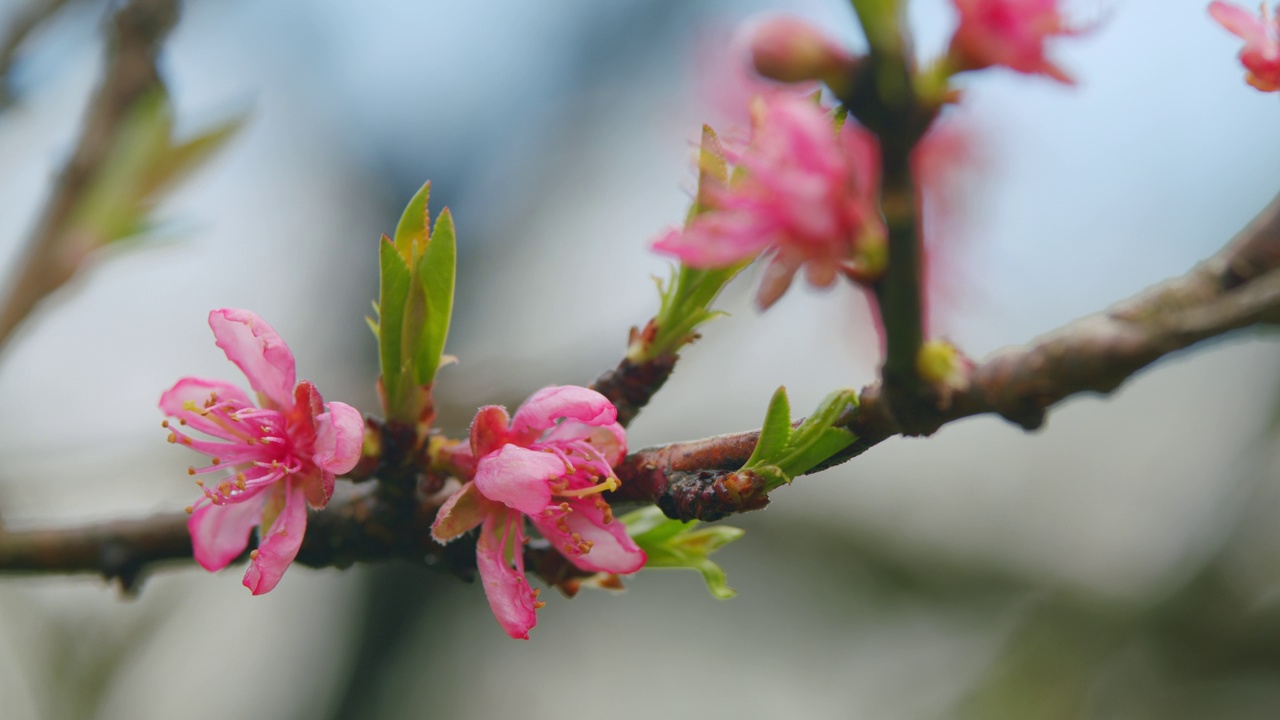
(790, 50)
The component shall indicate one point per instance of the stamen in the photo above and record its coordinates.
(189, 509)
(253, 554)
(610, 484)
(164, 423)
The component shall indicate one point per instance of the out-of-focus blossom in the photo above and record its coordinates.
(275, 457)
(1261, 35)
(788, 49)
(1011, 33)
(808, 195)
(549, 462)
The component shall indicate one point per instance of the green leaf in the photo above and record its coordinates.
(142, 162)
(393, 294)
(817, 439)
(437, 272)
(782, 452)
(675, 544)
(412, 232)
(776, 430)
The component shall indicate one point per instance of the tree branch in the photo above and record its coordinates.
(1236, 288)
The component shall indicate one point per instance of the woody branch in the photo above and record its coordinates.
(1238, 287)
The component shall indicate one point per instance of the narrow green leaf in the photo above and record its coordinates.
(775, 432)
(393, 293)
(713, 575)
(816, 439)
(412, 232)
(437, 272)
(183, 158)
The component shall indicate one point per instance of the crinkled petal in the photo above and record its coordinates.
(1239, 22)
(612, 550)
(608, 440)
(219, 533)
(339, 438)
(464, 510)
(280, 544)
(489, 430)
(258, 351)
(198, 390)
(717, 239)
(518, 477)
(541, 411)
(509, 594)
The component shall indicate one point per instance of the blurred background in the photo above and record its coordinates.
(1122, 563)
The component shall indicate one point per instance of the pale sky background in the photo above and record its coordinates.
(560, 135)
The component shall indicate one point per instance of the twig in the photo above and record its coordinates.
(52, 255)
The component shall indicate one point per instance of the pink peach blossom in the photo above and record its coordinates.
(543, 463)
(808, 196)
(1261, 35)
(1011, 33)
(275, 457)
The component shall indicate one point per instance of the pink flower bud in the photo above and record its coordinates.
(790, 50)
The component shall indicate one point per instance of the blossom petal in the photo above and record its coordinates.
(219, 533)
(258, 351)
(198, 390)
(280, 544)
(339, 438)
(1239, 22)
(509, 594)
(612, 550)
(545, 407)
(518, 477)
(609, 440)
(489, 430)
(464, 510)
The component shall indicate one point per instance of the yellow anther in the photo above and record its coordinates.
(240, 482)
(164, 423)
(217, 461)
(173, 437)
(253, 554)
(200, 483)
(189, 509)
(191, 471)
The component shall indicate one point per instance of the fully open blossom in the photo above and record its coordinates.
(1261, 35)
(274, 457)
(549, 462)
(1011, 33)
(808, 195)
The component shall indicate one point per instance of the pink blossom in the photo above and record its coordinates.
(1011, 33)
(808, 196)
(275, 457)
(543, 463)
(1261, 35)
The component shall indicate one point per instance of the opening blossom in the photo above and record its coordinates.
(1261, 35)
(1011, 33)
(549, 462)
(808, 194)
(275, 457)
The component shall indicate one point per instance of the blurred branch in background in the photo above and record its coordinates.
(124, 160)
